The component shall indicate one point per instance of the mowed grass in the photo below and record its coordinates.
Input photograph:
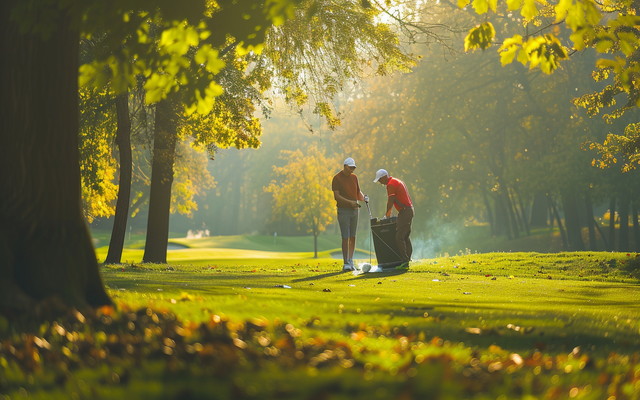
(481, 326)
(560, 300)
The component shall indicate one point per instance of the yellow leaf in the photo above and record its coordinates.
(463, 3)
(514, 4)
(512, 41)
(529, 9)
(481, 6)
(479, 37)
(523, 57)
(493, 4)
(507, 56)
(561, 9)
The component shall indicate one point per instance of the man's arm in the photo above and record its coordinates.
(390, 202)
(341, 199)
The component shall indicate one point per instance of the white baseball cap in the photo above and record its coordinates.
(380, 174)
(350, 162)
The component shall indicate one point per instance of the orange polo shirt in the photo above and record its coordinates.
(399, 189)
(347, 186)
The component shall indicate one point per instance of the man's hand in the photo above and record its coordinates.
(366, 198)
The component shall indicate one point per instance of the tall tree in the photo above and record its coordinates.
(45, 245)
(303, 191)
(44, 241)
(123, 141)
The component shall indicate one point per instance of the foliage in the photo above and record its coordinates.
(304, 192)
(97, 163)
(191, 179)
(591, 24)
(327, 48)
(461, 335)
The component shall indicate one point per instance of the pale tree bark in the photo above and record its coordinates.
(123, 141)
(45, 247)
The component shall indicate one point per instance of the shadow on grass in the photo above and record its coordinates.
(318, 277)
(377, 275)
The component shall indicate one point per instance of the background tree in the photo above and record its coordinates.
(304, 191)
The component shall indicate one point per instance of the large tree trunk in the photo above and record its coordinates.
(45, 247)
(593, 246)
(636, 228)
(502, 218)
(623, 243)
(123, 140)
(612, 223)
(539, 211)
(572, 222)
(164, 153)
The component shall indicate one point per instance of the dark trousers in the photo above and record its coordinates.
(403, 230)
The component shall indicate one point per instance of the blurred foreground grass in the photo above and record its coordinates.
(489, 326)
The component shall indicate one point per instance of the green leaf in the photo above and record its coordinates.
(87, 73)
(626, 47)
(603, 45)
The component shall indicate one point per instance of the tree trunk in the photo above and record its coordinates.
(523, 217)
(604, 238)
(489, 212)
(623, 243)
(164, 152)
(45, 248)
(512, 214)
(554, 213)
(502, 218)
(593, 246)
(636, 228)
(123, 141)
(315, 244)
(572, 222)
(539, 211)
(612, 223)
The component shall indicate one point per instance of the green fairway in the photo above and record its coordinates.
(496, 325)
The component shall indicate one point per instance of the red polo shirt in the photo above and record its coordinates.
(399, 189)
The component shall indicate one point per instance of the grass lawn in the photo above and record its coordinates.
(238, 323)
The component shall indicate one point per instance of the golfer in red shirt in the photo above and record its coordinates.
(399, 197)
(346, 191)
